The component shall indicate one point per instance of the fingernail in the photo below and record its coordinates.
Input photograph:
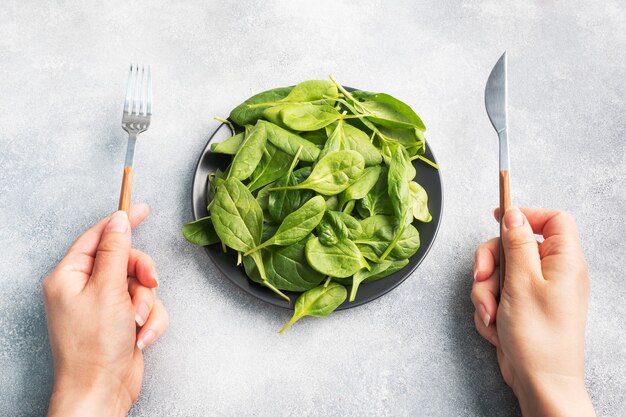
(118, 222)
(475, 272)
(513, 218)
(146, 339)
(141, 315)
(486, 317)
(495, 340)
(154, 275)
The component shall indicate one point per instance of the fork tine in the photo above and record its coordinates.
(142, 92)
(129, 90)
(149, 98)
(137, 88)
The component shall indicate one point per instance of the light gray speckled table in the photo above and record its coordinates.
(413, 352)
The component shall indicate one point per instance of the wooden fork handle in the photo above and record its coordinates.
(127, 185)
(505, 203)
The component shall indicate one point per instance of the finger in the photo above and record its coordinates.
(549, 222)
(141, 266)
(520, 248)
(490, 333)
(143, 300)
(110, 267)
(79, 257)
(486, 259)
(484, 297)
(561, 236)
(154, 327)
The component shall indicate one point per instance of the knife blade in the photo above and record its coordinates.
(496, 105)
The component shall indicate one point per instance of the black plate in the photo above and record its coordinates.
(427, 176)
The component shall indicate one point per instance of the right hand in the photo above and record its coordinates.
(539, 326)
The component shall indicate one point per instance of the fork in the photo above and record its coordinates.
(135, 120)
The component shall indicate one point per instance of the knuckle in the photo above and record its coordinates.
(565, 216)
(111, 246)
(520, 241)
(568, 220)
(475, 294)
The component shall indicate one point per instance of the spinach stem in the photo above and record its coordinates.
(295, 160)
(328, 278)
(256, 256)
(345, 92)
(286, 187)
(232, 128)
(355, 287)
(426, 160)
(278, 103)
(265, 244)
(294, 319)
(395, 240)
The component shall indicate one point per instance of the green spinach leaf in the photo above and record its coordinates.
(283, 202)
(419, 202)
(312, 90)
(377, 234)
(317, 137)
(378, 271)
(336, 226)
(229, 146)
(386, 110)
(250, 153)
(343, 136)
(286, 268)
(237, 216)
(273, 165)
(412, 139)
(361, 187)
(318, 302)
(289, 142)
(401, 171)
(248, 112)
(302, 116)
(238, 221)
(201, 232)
(297, 225)
(332, 174)
(341, 260)
(376, 201)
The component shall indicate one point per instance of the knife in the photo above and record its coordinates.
(496, 103)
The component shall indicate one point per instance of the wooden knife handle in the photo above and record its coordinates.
(505, 203)
(127, 185)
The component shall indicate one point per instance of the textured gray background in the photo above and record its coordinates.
(414, 352)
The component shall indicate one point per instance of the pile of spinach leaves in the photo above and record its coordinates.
(320, 193)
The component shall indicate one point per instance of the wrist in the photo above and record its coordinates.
(94, 397)
(554, 396)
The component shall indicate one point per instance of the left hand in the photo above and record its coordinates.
(102, 311)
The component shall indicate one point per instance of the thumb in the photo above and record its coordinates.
(521, 251)
(111, 264)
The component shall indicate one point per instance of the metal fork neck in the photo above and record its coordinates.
(130, 151)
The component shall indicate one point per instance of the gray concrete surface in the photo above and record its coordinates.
(414, 352)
